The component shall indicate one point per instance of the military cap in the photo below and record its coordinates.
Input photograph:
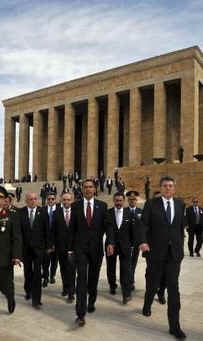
(132, 194)
(3, 192)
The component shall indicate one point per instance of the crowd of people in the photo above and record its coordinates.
(70, 232)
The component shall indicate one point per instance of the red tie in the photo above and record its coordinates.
(88, 213)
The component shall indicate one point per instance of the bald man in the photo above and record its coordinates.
(35, 243)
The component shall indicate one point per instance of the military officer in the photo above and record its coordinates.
(10, 251)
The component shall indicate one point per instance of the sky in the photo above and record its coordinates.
(43, 42)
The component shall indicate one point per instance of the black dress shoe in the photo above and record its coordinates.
(146, 311)
(112, 291)
(161, 298)
(52, 280)
(178, 333)
(80, 321)
(45, 283)
(70, 299)
(191, 254)
(132, 288)
(37, 306)
(28, 296)
(11, 305)
(91, 308)
(126, 299)
(198, 254)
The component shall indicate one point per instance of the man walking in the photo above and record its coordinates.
(162, 238)
(87, 229)
(194, 215)
(10, 251)
(121, 225)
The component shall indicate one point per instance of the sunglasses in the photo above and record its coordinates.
(49, 199)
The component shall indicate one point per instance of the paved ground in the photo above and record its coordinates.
(111, 320)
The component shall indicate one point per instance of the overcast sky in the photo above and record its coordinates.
(44, 42)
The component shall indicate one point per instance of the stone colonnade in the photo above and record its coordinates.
(143, 118)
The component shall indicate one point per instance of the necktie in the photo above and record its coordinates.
(88, 213)
(67, 217)
(118, 218)
(197, 215)
(168, 212)
(50, 216)
(31, 217)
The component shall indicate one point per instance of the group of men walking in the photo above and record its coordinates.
(72, 233)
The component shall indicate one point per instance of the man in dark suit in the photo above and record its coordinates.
(121, 225)
(35, 243)
(109, 184)
(87, 229)
(10, 251)
(135, 211)
(61, 236)
(194, 215)
(50, 261)
(162, 237)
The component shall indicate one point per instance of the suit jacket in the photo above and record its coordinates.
(10, 240)
(84, 238)
(191, 217)
(158, 233)
(36, 238)
(60, 231)
(125, 236)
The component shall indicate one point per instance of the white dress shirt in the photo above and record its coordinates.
(33, 211)
(165, 202)
(53, 208)
(65, 210)
(91, 201)
(119, 216)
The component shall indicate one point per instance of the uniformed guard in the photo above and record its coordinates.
(10, 251)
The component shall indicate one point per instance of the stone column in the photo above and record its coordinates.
(52, 168)
(189, 126)
(84, 145)
(92, 137)
(37, 145)
(112, 133)
(69, 138)
(135, 122)
(23, 146)
(9, 148)
(160, 122)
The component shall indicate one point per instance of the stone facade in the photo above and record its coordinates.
(129, 116)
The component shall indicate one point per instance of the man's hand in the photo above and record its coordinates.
(110, 250)
(16, 261)
(144, 247)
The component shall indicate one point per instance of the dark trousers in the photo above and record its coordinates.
(133, 264)
(49, 265)
(88, 269)
(195, 231)
(32, 274)
(154, 273)
(7, 281)
(109, 189)
(67, 270)
(125, 263)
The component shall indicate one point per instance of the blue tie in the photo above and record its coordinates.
(168, 212)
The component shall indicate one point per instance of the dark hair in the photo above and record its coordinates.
(88, 180)
(119, 194)
(167, 178)
(51, 193)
